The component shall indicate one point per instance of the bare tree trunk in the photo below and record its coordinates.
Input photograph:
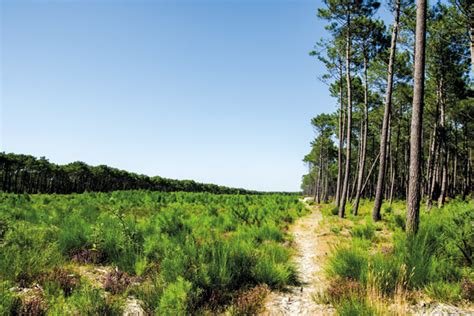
(386, 117)
(444, 149)
(316, 185)
(359, 151)
(455, 167)
(434, 152)
(325, 178)
(370, 173)
(392, 186)
(432, 157)
(429, 164)
(373, 180)
(364, 139)
(406, 171)
(466, 185)
(345, 186)
(320, 171)
(388, 197)
(413, 203)
(469, 171)
(341, 140)
(389, 156)
(444, 182)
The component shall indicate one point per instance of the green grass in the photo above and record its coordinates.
(445, 291)
(383, 260)
(366, 231)
(349, 262)
(355, 306)
(191, 250)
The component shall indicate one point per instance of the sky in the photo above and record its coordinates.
(218, 91)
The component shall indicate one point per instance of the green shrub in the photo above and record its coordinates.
(385, 272)
(111, 239)
(141, 265)
(230, 264)
(8, 301)
(75, 233)
(454, 223)
(214, 242)
(268, 232)
(355, 306)
(149, 292)
(437, 260)
(174, 264)
(336, 229)
(348, 262)
(273, 267)
(86, 300)
(27, 252)
(418, 253)
(445, 292)
(366, 231)
(174, 300)
(400, 221)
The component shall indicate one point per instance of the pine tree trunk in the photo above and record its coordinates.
(359, 151)
(360, 176)
(370, 173)
(325, 178)
(433, 154)
(386, 118)
(406, 171)
(469, 171)
(455, 167)
(320, 173)
(341, 133)
(397, 145)
(389, 155)
(444, 149)
(373, 180)
(391, 172)
(345, 185)
(413, 203)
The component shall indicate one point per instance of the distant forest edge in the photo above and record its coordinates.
(28, 174)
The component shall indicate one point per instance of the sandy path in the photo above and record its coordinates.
(309, 254)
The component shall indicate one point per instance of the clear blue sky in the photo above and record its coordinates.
(215, 91)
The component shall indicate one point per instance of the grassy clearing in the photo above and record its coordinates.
(375, 265)
(176, 252)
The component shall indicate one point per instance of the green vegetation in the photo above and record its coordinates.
(383, 264)
(27, 174)
(176, 252)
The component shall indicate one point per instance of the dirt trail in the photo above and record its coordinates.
(310, 252)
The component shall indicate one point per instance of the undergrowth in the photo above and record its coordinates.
(379, 263)
(183, 251)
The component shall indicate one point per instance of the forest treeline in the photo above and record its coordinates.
(405, 104)
(27, 174)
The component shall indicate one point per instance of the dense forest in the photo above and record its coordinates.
(27, 174)
(406, 105)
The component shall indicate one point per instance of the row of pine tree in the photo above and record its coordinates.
(404, 125)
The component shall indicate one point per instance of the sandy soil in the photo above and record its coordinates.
(311, 250)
